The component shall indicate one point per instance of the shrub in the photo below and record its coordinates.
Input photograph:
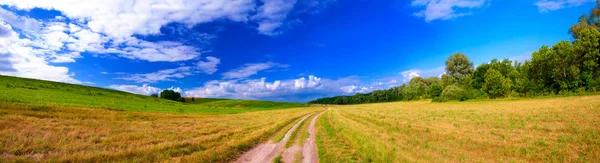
(454, 92)
(181, 99)
(170, 94)
(154, 95)
(496, 85)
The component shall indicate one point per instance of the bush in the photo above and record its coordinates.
(181, 99)
(154, 95)
(170, 94)
(453, 92)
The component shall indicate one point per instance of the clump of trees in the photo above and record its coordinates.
(566, 68)
(171, 95)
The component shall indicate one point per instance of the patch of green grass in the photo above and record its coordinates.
(14, 89)
(278, 159)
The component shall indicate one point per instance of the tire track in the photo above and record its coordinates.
(310, 152)
(266, 152)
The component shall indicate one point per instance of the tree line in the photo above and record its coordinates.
(566, 68)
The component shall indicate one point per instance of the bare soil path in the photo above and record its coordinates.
(266, 152)
(309, 150)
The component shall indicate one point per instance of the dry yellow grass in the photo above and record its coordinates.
(539, 130)
(68, 134)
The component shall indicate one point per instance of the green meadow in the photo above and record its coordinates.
(31, 91)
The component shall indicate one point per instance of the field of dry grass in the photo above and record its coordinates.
(539, 130)
(35, 133)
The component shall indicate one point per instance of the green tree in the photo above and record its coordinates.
(454, 92)
(496, 85)
(170, 94)
(154, 95)
(479, 75)
(587, 21)
(435, 90)
(588, 46)
(459, 67)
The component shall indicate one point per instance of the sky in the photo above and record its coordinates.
(280, 50)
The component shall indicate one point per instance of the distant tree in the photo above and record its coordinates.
(435, 90)
(193, 99)
(495, 84)
(459, 67)
(154, 95)
(170, 94)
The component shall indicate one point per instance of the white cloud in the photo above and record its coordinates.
(553, 5)
(250, 69)
(445, 9)
(143, 90)
(162, 75)
(18, 59)
(210, 66)
(281, 90)
(175, 89)
(351, 89)
(272, 14)
(124, 18)
(409, 74)
(20, 22)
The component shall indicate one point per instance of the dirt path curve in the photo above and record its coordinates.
(266, 152)
(310, 151)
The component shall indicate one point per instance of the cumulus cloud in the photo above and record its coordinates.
(409, 74)
(21, 60)
(114, 27)
(250, 69)
(282, 90)
(553, 5)
(445, 9)
(20, 22)
(124, 18)
(143, 90)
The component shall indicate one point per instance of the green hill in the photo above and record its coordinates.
(39, 92)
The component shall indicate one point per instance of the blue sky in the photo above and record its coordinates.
(283, 50)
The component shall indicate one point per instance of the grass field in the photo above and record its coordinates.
(540, 130)
(32, 91)
(57, 122)
(74, 134)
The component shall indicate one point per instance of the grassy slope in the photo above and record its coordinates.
(13, 89)
(537, 130)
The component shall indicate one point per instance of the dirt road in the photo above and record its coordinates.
(266, 152)
(309, 149)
